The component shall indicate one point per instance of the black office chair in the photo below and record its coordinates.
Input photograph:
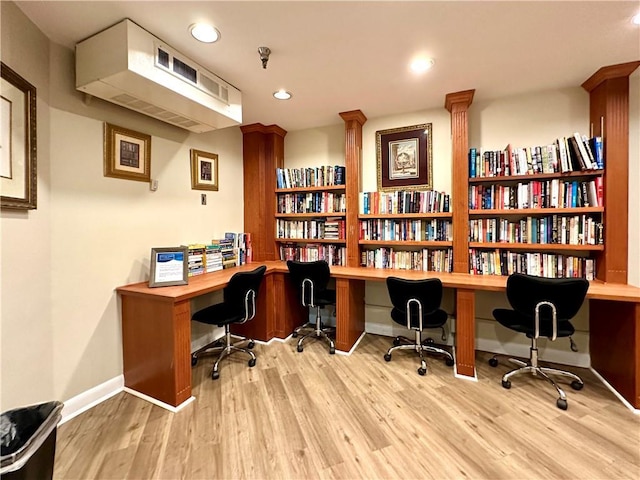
(416, 305)
(311, 279)
(542, 307)
(238, 306)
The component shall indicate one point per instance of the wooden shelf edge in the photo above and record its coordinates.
(535, 211)
(310, 215)
(310, 240)
(423, 243)
(537, 176)
(365, 216)
(329, 188)
(536, 246)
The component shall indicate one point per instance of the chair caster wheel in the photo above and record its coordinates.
(562, 404)
(506, 384)
(576, 385)
(428, 341)
(396, 342)
(215, 375)
(422, 371)
(300, 348)
(252, 362)
(493, 362)
(387, 357)
(251, 344)
(294, 334)
(332, 350)
(449, 362)
(194, 360)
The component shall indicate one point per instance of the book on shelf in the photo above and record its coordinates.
(324, 176)
(195, 259)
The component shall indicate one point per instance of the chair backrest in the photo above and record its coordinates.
(242, 290)
(310, 279)
(427, 291)
(524, 292)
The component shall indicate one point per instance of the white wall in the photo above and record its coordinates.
(61, 332)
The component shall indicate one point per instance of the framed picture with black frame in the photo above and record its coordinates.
(404, 158)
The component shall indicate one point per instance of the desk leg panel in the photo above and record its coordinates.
(614, 345)
(465, 332)
(156, 338)
(349, 312)
(262, 325)
(288, 310)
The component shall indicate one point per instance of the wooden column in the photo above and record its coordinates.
(609, 116)
(353, 122)
(614, 327)
(458, 105)
(262, 153)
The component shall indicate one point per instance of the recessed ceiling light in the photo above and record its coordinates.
(636, 19)
(204, 32)
(421, 65)
(282, 94)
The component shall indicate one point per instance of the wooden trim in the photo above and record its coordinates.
(458, 105)
(328, 188)
(408, 243)
(609, 73)
(349, 312)
(534, 211)
(353, 121)
(536, 176)
(535, 246)
(341, 241)
(465, 332)
(264, 129)
(405, 216)
(309, 215)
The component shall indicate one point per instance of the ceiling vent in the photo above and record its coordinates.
(127, 65)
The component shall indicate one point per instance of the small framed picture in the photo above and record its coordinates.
(204, 170)
(404, 159)
(127, 154)
(169, 266)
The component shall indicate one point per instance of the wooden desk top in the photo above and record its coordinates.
(211, 282)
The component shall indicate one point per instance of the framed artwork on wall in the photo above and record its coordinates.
(18, 146)
(404, 158)
(204, 170)
(127, 154)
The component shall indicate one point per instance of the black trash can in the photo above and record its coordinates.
(28, 441)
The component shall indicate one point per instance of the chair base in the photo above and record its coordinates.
(224, 347)
(420, 347)
(315, 331)
(536, 370)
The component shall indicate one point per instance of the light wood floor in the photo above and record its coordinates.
(315, 415)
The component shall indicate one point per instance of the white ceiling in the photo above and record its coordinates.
(337, 56)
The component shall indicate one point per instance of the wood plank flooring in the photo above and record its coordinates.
(314, 415)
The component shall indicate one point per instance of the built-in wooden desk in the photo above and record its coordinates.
(156, 324)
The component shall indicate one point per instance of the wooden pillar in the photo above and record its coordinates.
(458, 106)
(609, 116)
(353, 122)
(614, 327)
(262, 153)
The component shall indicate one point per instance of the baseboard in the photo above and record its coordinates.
(624, 401)
(157, 402)
(90, 398)
(340, 352)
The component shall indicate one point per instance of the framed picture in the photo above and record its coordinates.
(404, 159)
(169, 266)
(127, 154)
(18, 146)
(204, 170)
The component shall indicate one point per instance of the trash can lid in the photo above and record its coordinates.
(22, 432)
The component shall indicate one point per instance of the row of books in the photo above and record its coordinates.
(427, 201)
(234, 249)
(435, 229)
(426, 260)
(321, 228)
(553, 229)
(554, 193)
(324, 176)
(317, 202)
(333, 254)
(499, 262)
(567, 154)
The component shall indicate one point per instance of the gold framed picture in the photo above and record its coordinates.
(127, 154)
(18, 144)
(204, 170)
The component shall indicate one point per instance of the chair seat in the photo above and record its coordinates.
(524, 324)
(220, 314)
(434, 320)
(326, 297)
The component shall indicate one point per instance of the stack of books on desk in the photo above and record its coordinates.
(228, 252)
(196, 260)
(213, 257)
